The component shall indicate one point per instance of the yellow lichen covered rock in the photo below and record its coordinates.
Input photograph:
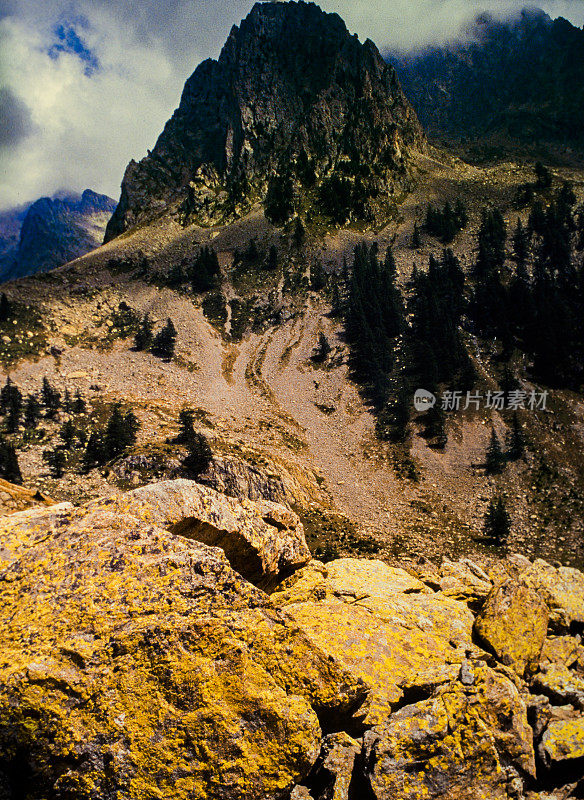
(456, 745)
(563, 741)
(560, 684)
(22, 530)
(463, 580)
(566, 650)
(513, 624)
(562, 588)
(263, 541)
(384, 625)
(135, 663)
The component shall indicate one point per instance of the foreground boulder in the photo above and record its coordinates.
(383, 624)
(456, 745)
(263, 541)
(513, 624)
(136, 663)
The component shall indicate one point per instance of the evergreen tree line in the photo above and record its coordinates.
(397, 347)
(444, 223)
(538, 306)
(201, 271)
(111, 440)
(26, 412)
(18, 410)
(496, 456)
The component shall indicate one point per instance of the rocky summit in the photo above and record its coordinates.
(137, 662)
(292, 92)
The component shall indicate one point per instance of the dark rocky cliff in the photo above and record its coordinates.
(292, 92)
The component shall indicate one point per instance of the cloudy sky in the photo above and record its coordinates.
(86, 85)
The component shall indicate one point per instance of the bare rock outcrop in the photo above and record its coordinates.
(137, 663)
(263, 541)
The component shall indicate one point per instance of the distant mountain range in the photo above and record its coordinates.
(50, 232)
(516, 82)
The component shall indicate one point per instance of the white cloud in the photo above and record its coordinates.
(86, 127)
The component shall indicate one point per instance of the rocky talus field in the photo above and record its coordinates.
(172, 642)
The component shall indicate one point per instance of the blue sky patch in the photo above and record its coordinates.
(68, 40)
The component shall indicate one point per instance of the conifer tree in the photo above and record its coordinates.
(272, 263)
(165, 341)
(5, 394)
(13, 410)
(9, 466)
(144, 334)
(317, 276)
(68, 433)
(436, 427)
(120, 432)
(32, 411)
(5, 308)
(322, 349)
(79, 405)
(204, 270)
(515, 440)
(389, 264)
(299, 234)
(67, 402)
(199, 456)
(492, 238)
(56, 460)
(95, 452)
(416, 237)
(497, 522)
(186, 421)
(495, 460)
(51, 398)
(520, 244)
(543, 176)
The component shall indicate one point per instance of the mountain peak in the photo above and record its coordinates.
(291, 84)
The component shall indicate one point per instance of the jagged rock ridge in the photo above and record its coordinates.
(292, 89)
